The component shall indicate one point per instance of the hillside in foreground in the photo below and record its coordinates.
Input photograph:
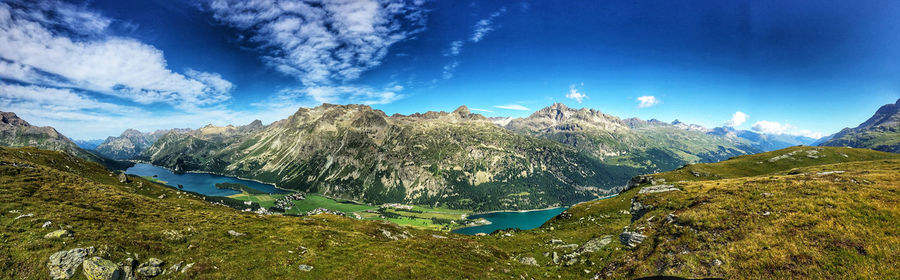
(832, 217)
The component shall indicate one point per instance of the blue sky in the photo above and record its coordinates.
(93, 69)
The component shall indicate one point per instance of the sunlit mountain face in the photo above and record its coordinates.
(421, 139)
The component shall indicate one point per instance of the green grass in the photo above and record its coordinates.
(154, 179)
(784, 223)
(773, 162)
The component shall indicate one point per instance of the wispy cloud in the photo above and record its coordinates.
(454, 49)
(481, 110)
(575, 94)
(339, 94)
(647, 101)
(485, 26)
(481, 29)
(449, 69)
(55, 44)
(737, 119)
(771, 127)
(516, 107)
(323, 42)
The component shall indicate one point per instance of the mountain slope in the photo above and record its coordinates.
(88, 144)
(143, 220)
(647, 145)
(457, 159)
(785, 222)
(16, 132)
(880, 132)
(791, 220)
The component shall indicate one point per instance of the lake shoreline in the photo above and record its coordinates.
(217, 174)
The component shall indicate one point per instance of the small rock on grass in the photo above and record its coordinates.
(97, 268)
(304, 267)
(58, 234)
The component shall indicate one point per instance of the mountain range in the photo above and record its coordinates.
(556, 156)
(16, 132)
(880, 132)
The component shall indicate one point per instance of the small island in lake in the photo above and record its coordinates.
(239, 187)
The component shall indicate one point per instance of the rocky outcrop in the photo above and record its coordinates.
(631, 238)
(97, 268)
(151, 268)
(64, 264)
(528, 261)
(658, 189)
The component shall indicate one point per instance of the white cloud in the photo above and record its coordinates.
(770, 127)
(455, 48)
(481, 110)
(485, 26)
(36, 47)
(312, 96)
(574, 94)
(516, 107)
(647, 101)
(737, 119)
(449, 69)
(323, 42)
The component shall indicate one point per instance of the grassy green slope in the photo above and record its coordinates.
(130, 218)
(802, 225)
(772, 162)
(785, 222)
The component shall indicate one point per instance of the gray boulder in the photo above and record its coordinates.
(304, 267)
(528, 261)
(594, 244)
(151, 268)
(63, 264)
(97, 268)
(123, 178)
(631, 239)
(128, 269)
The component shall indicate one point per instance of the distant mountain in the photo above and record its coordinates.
(131, 143)
(880, 132)
(761, 141)
(88, 144)
(16, 132)
(648, 145)
(456, 159)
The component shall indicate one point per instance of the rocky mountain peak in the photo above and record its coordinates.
(886, 116)
(462, 111)
(10, 118)
(131, 133)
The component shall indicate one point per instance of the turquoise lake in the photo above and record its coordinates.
(503, 220)
(201, 183)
